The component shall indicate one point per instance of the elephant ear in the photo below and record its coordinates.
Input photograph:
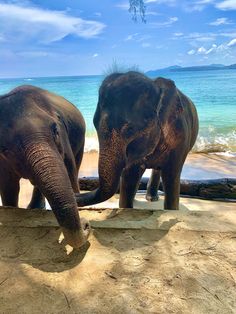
(170, 112)
(170, 105)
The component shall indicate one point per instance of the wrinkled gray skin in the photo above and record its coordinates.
(42, 139)
(141, 123)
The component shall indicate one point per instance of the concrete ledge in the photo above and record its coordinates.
(105, 218)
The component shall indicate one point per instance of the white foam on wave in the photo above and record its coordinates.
(226, 154)
(220, 144)
(91, 144)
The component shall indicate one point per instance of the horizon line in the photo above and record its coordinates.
(83, 75)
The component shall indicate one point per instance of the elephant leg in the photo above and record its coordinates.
(153, 185)
(9, 189)
(78, 160)
(72, 170)
(37, 200)
(129, 183)
(73, 175)
(170, 175)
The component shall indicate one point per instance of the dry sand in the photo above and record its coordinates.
(136, 261)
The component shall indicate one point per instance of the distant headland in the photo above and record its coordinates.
(177, 68)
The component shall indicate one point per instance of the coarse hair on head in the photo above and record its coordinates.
(120, 67)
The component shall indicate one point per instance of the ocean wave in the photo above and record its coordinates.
(219, 143)
(91, 144)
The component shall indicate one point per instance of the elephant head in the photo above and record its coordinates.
(127, 127)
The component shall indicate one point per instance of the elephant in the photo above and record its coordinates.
(141, 123)
(42, 139)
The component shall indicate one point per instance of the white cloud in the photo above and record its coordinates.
(178, 34)
(210, 50)
(232, 43)
(204, 39)
(2, 38)
(23, 23)
(143, 38)
(220, 49)
(131, 37)
(205, 1)
(204, 51)
(191, 52)
(229, 34)
(220, 21)
(146, 45)
(123, 6)
(201, 50)
(199, 5)
(95, 55)
(201, 37)
(167, 23)
(173, 19)
(226, 5)
(137, 37)
(153, 13)
(195, 38)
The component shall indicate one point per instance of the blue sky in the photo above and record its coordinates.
(48, 38)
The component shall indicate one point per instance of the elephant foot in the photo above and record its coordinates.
(152, 198)
(77, 238)
(125, 204)
(171, 208)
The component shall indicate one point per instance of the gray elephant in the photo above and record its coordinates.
(141, 123)
(42, 139)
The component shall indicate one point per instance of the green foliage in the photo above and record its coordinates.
(137, 8)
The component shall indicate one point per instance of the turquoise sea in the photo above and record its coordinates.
(213, 92)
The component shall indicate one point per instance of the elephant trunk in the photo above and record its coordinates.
(110, 166)
(49, 174)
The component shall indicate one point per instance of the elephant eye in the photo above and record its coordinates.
(54, 129)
